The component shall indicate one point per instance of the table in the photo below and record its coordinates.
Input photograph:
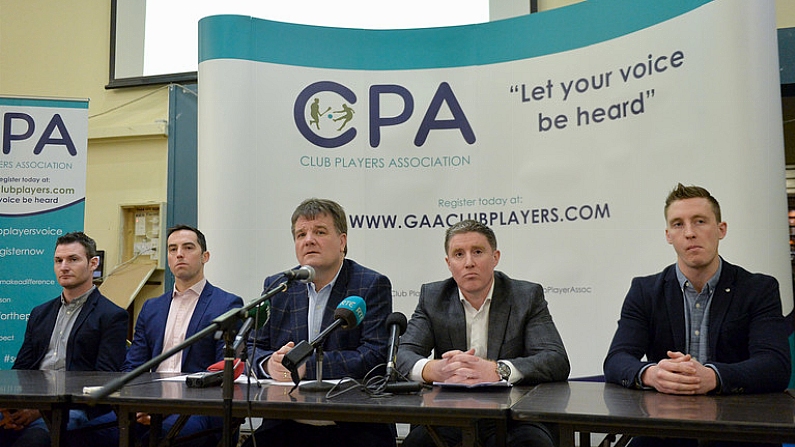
(608, 408)
(437, 406)
(41, 390)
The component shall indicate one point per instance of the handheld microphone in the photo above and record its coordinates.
(305, 274)
(396, 322)
(349, 313)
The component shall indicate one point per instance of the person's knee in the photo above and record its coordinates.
(535, 435)
(33, 437)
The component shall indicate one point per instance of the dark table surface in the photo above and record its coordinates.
(442, 406)
(435, 406)
(608, 408)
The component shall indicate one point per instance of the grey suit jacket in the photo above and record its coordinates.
(521, 329)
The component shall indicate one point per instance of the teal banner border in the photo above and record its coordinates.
(549, 32)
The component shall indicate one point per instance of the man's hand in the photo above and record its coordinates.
(19, 419)
(460, 367)
(275, 368)
(680, 374)
(143, 418)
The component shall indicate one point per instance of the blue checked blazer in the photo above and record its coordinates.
(346, 352)
(747, 332)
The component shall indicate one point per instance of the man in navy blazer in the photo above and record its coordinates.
(482, 326)
(153, 320)
(96, 335)
(702, 324)
(319, 229)
(169, 319)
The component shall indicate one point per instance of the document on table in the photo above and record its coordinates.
(241, 379)
(500, 384)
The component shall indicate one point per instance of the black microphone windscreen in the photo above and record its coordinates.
(351, 311)
(347, 316)
(399, 319)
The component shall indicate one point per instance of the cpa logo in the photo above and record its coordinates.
(325, 113)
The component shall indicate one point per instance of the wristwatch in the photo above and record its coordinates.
(503, 370)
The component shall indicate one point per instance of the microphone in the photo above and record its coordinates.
(349, 313)
(255, 318)
(260, 314)
(396, 322)
(239, 344)
(305, 274)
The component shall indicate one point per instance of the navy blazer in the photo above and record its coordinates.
(97, 341)
(748, 336)
(151, 327)
(521, 329)
(346, 352)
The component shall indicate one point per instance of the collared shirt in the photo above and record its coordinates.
(477, 323)
(477, 330)
(696, 306)
(317, 305)
(55, 358)
(179, 314)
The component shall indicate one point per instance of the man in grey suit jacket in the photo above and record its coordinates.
(482, 327)
(702, 325)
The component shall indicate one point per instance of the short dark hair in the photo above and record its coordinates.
(199, 234)
(682, 192)
(311, 208)
(82, 239)
(469, 226)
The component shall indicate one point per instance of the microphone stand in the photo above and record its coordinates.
(318, 384)
(224, 325)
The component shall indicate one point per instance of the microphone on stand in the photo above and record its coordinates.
(255, 318)
(261, 313)
(396, 323)
(305, 274)
(349, 313)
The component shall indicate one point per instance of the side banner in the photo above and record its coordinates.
(564, 131)
(42, 196)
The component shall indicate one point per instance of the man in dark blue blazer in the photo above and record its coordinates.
(96, 335)
(319, 229)
(169, 319)
(702, 324)
(481, 326)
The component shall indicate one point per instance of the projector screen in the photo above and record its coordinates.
(157, 40)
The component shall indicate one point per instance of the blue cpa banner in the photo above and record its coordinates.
(42, 196)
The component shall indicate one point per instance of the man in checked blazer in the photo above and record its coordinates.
(702, 325)
(319, 230)
(482, 327)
